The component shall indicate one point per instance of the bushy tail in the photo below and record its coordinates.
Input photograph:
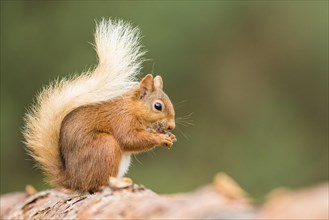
(119, 53)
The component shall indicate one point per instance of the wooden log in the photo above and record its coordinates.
(122, 199)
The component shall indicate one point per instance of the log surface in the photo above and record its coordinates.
(122, 199)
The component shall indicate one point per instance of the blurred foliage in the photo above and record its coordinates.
(254, 75)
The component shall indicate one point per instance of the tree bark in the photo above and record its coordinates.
(122, 199)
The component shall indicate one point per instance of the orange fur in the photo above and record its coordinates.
(93, 138)
(119, 53)
(82, 129)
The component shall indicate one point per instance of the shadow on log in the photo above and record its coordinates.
(122, 199)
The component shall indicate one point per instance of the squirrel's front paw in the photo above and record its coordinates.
(167, 140)
(172, 136)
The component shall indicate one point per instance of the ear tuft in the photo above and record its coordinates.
(158, 83)
(146, 85)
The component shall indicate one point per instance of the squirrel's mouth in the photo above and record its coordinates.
(158, 127)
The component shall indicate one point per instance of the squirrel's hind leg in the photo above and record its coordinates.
(91, 168)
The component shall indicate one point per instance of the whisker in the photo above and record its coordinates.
(187, 116)
(138, 160)
(185, 120)
(184, 135)
(184, 117)
(153, 68)
(154, 154)
(185, 124)
(180, 102)
(178, 107)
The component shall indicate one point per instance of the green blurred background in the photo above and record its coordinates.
(254, 75)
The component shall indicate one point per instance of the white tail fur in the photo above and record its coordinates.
(119, 52)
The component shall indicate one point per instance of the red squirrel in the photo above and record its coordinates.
(82, 130)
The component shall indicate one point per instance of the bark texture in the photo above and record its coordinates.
(122, 199)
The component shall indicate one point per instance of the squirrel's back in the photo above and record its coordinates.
(119, 53)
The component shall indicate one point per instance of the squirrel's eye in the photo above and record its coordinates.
(158, 106)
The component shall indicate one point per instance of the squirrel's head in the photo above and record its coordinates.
(154, 106)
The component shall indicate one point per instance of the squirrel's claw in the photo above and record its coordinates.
(172, 136)
(167, 140)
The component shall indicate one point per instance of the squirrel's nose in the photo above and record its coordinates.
(171, 125)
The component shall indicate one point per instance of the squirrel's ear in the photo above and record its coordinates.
(146, 85)
(158, 83)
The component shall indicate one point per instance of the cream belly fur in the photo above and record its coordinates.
(124, 164)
